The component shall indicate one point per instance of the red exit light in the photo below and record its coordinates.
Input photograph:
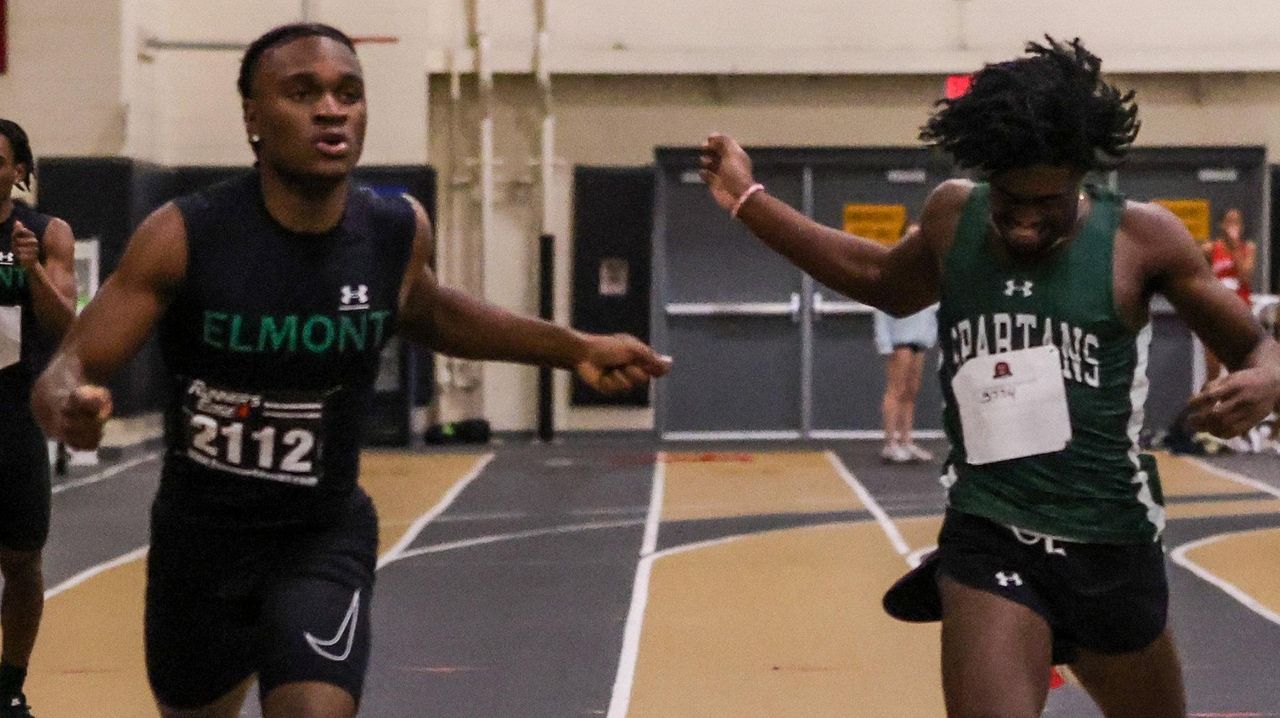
(958, 85)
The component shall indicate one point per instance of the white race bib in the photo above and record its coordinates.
(10, 336)
(1012, 405)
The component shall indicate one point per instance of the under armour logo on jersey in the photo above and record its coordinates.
(348, 627)
(1008, 579)
(6, 257)
(356, 297)
(1023, 288)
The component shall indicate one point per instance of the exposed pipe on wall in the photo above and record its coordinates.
(542, 72)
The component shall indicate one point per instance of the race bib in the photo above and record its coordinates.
(273, 436)
(1012, 405)
(10, 336)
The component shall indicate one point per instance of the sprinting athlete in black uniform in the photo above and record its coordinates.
(274, 294)
(37, 290)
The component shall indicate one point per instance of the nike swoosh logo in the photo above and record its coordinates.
(348, 627)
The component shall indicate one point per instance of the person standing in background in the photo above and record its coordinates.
(903, 341)
(1232, 258)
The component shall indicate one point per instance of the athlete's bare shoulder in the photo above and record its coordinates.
(157, 252)
(1159, 240)
(942, 211)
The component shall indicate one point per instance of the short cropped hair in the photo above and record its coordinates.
(279, 36)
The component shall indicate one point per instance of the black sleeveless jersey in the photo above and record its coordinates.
(272, 343)
(15, 301)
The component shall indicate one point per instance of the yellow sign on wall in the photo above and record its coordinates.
(1194, 213)
(882, 222)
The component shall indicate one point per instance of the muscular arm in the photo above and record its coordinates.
(112, 328)
(1174, 266)
(53, 281)
(454, 323)
(900, 280)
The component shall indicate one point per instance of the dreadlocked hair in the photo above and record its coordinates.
(1051, 107)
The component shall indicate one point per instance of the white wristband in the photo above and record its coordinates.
(742, 199)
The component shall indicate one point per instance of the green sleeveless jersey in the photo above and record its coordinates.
(1098, 489)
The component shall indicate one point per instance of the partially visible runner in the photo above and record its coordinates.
(274, 294)
(37, 303)
(1050, 550)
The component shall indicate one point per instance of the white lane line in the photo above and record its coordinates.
(107, 473)
(1249, 481)
(1179, 556)
(134, 555)
(515, 535)
(620, 702)
(92, 571)
(915, 557)
(394, 553)
(886, 524)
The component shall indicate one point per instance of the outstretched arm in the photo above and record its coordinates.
(69, 400)
(53, 281)
(1234, 403)
(451, 322)
(900, 280)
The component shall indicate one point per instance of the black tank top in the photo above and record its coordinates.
(273, 343)
(15, 296)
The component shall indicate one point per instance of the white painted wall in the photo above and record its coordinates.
(63, 82)
(629, 76)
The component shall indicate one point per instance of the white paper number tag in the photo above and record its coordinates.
(1012, 405)
(10, 336)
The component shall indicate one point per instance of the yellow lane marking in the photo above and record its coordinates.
(764, 483)
(1179, 477)
(89, 657)
(783, 623)
(921, 531)
(402, 486)
(1222, 508)
(1242, 564)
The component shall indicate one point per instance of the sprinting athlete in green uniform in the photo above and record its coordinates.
(1050, 549)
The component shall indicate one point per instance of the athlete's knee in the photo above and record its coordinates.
(310, 699)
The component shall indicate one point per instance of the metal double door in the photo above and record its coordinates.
(764, 351)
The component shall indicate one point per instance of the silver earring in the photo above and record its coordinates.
(254, 139)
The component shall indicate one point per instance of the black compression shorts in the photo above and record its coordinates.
(288, 604)
(24, 477)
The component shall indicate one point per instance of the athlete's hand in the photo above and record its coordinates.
(83, 414)
(617, 363)
(726, 169)
(1233, 404)
(26, 249)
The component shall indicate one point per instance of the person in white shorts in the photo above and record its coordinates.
(903, 342)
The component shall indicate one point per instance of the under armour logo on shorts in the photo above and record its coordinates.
(1023, 288)
(6, 257)
(1008, 579)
